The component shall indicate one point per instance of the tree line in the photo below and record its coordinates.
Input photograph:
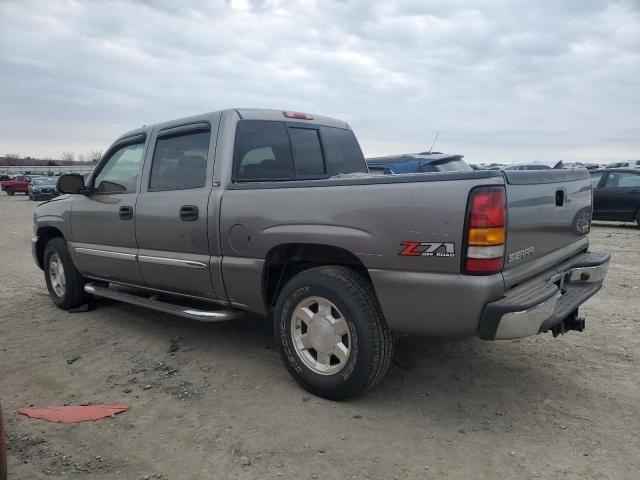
(65, 159)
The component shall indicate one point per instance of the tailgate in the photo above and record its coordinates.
(548, 211)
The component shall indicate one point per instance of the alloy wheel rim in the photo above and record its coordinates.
(56, 275)
(321, 335)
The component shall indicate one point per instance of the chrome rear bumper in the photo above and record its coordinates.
(529, 309)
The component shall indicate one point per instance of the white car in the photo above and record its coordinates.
(625, 164)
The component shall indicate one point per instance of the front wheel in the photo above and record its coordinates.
(331, 332)
(65, 284)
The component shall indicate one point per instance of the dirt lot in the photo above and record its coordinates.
(223, 406)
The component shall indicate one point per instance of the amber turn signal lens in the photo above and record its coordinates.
(486, 236)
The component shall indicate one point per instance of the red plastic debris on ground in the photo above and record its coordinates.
(74, 413)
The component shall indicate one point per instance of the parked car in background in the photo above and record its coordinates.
(417, 163)
(274, 213)
(18, 184)
(534, 166)
(5, 176)
(616, 195)
(625, 164)
(42, 187)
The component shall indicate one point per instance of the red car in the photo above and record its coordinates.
(19, 184)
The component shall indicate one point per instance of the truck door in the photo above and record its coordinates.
(172, 214)
(102, 222)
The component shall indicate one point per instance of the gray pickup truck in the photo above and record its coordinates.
(274, 213)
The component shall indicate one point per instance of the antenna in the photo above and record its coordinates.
(433, 143)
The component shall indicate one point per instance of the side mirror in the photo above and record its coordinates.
(71, 183)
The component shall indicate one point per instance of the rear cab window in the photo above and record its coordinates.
(276, 150)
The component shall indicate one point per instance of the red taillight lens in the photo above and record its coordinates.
(487, 208)
(486, 231)
(484, 265)
(297, 115)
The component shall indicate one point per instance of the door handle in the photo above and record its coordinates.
(188, 213)
(126, 212)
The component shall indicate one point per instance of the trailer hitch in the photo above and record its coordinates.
(571, 322)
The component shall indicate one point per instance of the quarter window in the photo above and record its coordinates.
(120, 172)
(180, 162)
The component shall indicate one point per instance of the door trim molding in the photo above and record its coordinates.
(105, 253)
(173, 262)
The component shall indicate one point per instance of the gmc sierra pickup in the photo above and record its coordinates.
(274, 213)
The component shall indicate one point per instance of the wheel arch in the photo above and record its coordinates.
(44, 234)
(286, 260)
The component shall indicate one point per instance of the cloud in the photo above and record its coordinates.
(508, 81)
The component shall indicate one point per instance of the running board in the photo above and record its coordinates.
(198, 314)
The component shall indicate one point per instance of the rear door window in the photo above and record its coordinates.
(180, 162)
(262, 151)
(342, 151)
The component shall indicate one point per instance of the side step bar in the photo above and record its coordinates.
(154, 304)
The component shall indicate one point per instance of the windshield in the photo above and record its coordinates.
(43, 181)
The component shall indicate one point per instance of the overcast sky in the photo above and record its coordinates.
(500, 80)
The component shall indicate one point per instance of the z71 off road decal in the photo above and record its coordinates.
(428, 249)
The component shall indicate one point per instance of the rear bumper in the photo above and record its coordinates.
(541, 304)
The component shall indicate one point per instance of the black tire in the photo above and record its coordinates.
(73, 294)
(10, 191)
(371, 342)
(638, 217)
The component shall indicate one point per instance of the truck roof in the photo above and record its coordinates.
(245, 114)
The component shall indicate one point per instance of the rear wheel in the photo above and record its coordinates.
(331, 332)
(65, 284)
(9, 191)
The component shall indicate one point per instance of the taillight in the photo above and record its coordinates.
(297, 115)
(486, 231)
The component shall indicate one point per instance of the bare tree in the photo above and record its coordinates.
(12, 158)
(67, 157)
(94, 156)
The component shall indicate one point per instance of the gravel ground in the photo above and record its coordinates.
(212, 401)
